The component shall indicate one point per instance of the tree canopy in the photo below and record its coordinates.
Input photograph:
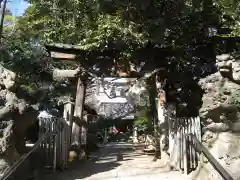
(129, 25)
(182, 36)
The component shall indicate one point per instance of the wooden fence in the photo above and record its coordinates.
(60, 146)
(183, 156)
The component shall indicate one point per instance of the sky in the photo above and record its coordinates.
(17, 7)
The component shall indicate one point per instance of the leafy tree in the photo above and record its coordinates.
(142, 122)
(128, 26)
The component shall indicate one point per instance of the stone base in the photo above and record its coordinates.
(164, 161)
(135, 140)
(105, 140)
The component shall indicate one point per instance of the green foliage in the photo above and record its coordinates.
(236, 99)
(141, 121)
(126, 25)
(116, 24)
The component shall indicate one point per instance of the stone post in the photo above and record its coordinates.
(135, 135)
(105, 136)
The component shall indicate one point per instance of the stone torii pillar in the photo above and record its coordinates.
(162, 117)
(79, 131)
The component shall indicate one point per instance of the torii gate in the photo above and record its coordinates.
(73, 114)
(70, 52)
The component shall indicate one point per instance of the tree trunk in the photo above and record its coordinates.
(153, 113)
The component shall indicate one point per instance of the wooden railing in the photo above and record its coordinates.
(185, 146)
(51, 150)
(8, 174)
(199, 147)
(62, 140)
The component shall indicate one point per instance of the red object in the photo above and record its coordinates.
(115, 130)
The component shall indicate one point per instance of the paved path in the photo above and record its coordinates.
(135, 165)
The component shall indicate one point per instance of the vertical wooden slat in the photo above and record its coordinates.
(198, 132)
(194, 133)
(52, 142)
(67, 142)
(185, 147)
(57, 143)
(181, 132)
(193, 150)
(178, 143)
(39, 135)
(54, 146)
(183, 143)
(45, 142)
(170, 132)
(55, 153)
(175, 148)
(60, 147)
(67, 145)
(189, 145)
(198, 129)
(181, 146)
(48, 142)
(64, 145)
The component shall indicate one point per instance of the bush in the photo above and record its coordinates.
(142, 122)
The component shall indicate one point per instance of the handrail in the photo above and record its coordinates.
(218, 167)
(12, 169)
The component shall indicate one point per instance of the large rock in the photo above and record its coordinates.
(221, 118)
(7, 78)
(16, 116)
